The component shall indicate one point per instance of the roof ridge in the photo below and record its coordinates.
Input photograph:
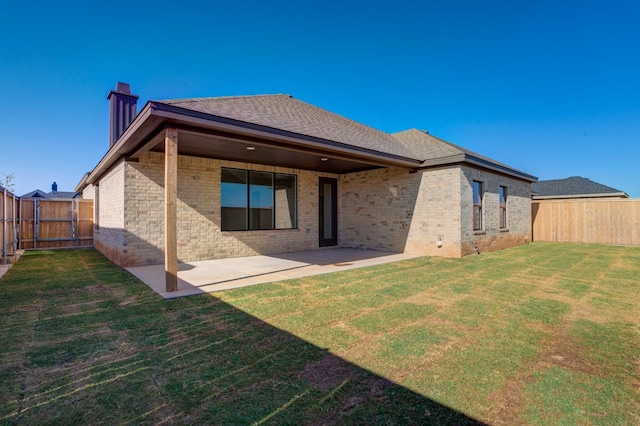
(454, 151)
(342, 116)
(207, 98)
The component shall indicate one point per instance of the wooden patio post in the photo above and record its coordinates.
(170, 209)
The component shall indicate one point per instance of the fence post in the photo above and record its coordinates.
(35, 221)
(15, 229)
(4, 226)
(20, 224)
(74, 220)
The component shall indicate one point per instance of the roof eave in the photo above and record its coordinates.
(469, 159)
(156, 115)
(122, 146)
(500, 168)
(601, 195)
(214, 122)
(83, 182)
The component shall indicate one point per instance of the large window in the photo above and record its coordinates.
(477, 206)
(503, 207)
(252, 200)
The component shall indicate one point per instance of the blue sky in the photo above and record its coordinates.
(551, 88)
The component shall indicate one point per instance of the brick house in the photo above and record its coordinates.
(193, 179)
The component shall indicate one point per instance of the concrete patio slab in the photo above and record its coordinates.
(4, 268)
(207, 276)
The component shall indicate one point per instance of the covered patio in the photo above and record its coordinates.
(245, 133)
(207, 276)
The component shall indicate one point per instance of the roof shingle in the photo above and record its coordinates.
(435, 151)
(573, 186)
(286, 113)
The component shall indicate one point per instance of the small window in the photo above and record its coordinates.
(503, 207)
(477, 206)
(252, 200)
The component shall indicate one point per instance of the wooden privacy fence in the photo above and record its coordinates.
(9, 224)
(50, 223)
(606, 221)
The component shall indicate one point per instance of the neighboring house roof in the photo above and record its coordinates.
(435, 152)
(284, 112)
(573, 187)
(35, 194)
(50, 195)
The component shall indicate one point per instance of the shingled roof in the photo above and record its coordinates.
(283, 112)
(49, 195)
(435, 151)
(220, 127)
(573, 187)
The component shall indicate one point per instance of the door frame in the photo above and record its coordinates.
(322, 241)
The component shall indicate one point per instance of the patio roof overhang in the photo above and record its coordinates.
(210, 136)
(178, 131)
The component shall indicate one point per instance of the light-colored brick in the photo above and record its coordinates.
(390, 209)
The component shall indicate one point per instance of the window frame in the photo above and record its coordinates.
(248, 199)
(478, 208)
(503, 201)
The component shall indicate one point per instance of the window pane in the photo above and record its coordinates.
(477, 218)
(503, 207)
(477, 206)
(328, 209)
(261, 200)
(285, 196)
(477, 192)
(233, 200)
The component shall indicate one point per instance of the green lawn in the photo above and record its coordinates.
(539, 334)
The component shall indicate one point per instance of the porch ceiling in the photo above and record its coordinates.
(272, 153)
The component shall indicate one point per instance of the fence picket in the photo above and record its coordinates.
(604, 221)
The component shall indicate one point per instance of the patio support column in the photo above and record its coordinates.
(170, 209)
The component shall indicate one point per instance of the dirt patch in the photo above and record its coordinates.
(509, 402)
(327, 373)
(563, 353)
(378, 387)
(330, 373)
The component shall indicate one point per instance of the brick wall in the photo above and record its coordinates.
(376, 208)
(109, 233)
(199, 233)
(492, 238)
(89, 192)
(437, 216)
(384, 209)
(399, 211)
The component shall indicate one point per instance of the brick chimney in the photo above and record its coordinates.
(123, 107)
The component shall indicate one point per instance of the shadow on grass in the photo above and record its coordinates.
(90, 343)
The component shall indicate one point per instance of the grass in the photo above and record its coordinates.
(539, 334)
